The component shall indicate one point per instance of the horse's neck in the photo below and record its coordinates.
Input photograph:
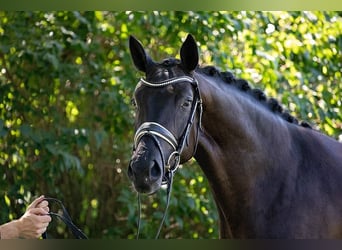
(234, 122)
(239, 141)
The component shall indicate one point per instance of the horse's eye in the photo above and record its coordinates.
(187, 103)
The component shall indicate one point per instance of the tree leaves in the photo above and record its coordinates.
(66, 124)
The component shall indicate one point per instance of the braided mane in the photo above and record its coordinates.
(258, 94)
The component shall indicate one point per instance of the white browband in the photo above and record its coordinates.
(168, 81)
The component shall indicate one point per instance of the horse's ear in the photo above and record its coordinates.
(189, 53)
(139, 56)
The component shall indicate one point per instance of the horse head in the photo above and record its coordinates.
(166, 102)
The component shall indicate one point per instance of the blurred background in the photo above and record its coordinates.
(66, 121)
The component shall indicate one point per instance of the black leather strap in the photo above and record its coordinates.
(65, 217)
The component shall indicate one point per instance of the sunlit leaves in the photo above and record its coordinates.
(71, 111)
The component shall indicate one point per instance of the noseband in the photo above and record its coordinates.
(158, 131)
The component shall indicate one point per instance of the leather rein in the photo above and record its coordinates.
(65, 217)
(158, 132)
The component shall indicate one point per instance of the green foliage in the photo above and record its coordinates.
(66, 125)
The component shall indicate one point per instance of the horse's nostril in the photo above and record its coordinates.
(151, 172)
(155, 172)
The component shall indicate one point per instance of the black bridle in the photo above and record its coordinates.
(65, 217)
(157, 131)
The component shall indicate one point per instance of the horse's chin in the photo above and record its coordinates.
(147, 188)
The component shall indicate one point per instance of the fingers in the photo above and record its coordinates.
(40, 203)
(45, 219)
(40, 221)
(39, 230)
(44, 205)
(39, 211)
(36, 202)
(44, 223)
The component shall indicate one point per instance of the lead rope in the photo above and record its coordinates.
(168, 195)
(66, 219)
(139, 216)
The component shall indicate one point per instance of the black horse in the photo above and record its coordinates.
(271, 176)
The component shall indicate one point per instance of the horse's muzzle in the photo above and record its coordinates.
(145, 170)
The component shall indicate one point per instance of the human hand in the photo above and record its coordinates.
(35, 220)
